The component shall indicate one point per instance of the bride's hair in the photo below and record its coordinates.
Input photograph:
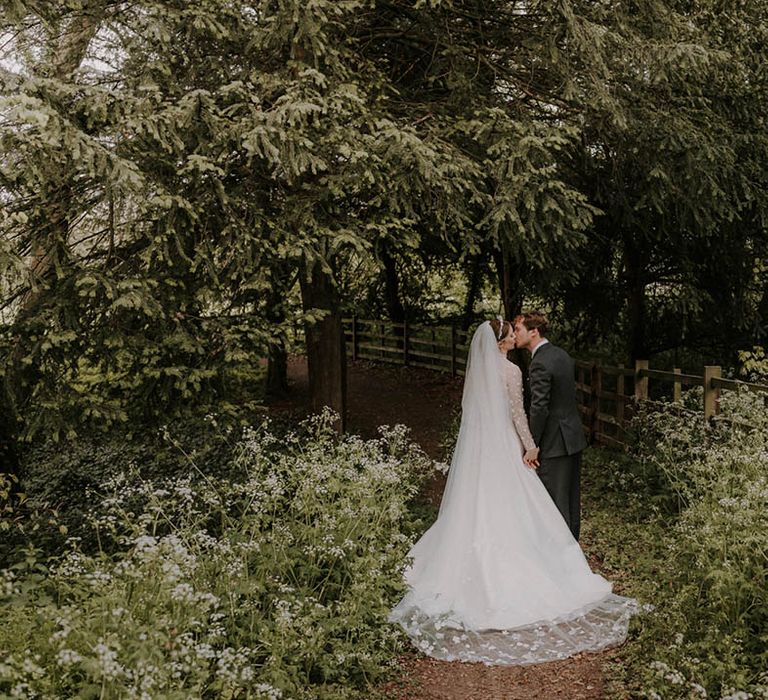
(505, 329)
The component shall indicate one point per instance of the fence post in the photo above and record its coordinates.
(405, 343)
(711, 393)
(620, 397)
(354, 337)
(433, 347)
(453, 350)
(677, 387)
(584, 401)
(596, 383)
(641, 383)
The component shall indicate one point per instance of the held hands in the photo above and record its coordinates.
(531, 458)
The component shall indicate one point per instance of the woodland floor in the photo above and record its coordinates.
(426, 402)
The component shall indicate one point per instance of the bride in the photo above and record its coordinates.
(499, 578)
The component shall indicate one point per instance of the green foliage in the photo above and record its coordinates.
(754, 364)
(699, 550)
(67, 476)
(158, 207)
(272, 583)
(673, 156)
(623, 505)
(226, 141)
(23, 519)
(118, 315)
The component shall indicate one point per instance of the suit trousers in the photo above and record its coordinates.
(562, 478)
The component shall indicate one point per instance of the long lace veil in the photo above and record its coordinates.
(484, 412)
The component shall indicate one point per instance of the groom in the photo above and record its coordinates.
(554, 417)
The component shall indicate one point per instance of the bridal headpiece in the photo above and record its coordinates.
(501, 326)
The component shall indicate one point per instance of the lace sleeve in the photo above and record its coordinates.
(517, 411)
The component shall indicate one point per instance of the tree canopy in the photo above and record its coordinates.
(171, 171)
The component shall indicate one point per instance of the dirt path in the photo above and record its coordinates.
(426, 402)
(385, 395)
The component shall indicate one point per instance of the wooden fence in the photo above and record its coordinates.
(440, 348)
(607, 395)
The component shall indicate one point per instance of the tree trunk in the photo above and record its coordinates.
(9, 457)
(510, 278)
(277, 369)
(277, 356)
(326, 355)
(636, 303)
(395, 308)
(49, 248)
(510, 283)
(760, 334)
(71, 51)
(474, 278)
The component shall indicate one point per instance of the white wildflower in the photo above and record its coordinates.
(108, 665)
(8, 586)
(68, 657)
(205, 651)
(183, 593)
(31, 668)
(442, 467)
(268, 692)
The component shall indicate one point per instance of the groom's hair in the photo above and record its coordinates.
(534, 319)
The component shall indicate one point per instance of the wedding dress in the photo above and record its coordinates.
(499, 578)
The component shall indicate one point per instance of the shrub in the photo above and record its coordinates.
(62, 477)
(709, 634)
(273, 582)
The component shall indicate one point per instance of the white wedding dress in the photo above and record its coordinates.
(499, 578)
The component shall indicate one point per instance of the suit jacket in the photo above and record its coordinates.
(554, 418)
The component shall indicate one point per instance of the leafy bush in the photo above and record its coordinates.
(273, 582)
(754, 364)
(61, 477)
(709, 634)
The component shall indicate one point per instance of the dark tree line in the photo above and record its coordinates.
(181, 182)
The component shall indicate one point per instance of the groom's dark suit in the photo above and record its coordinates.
(556, 428)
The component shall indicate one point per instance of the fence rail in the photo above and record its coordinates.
(608, 395)
(441, 348)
